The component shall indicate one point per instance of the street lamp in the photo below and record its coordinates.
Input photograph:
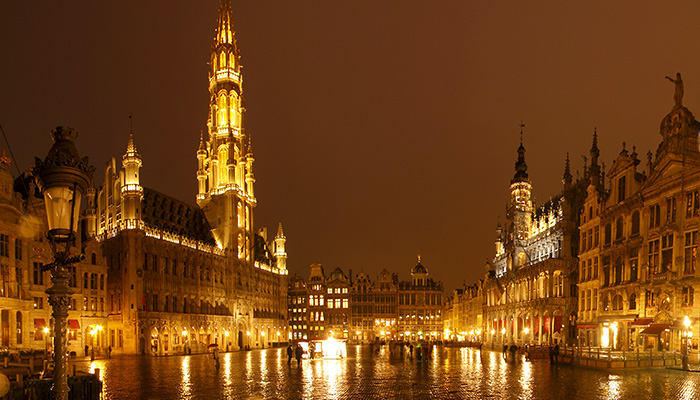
(95, 330)
(686, 322)
(46, 342)
(62, 177)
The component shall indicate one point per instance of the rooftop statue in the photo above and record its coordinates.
(678, 94)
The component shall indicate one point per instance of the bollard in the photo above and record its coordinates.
(97, 373)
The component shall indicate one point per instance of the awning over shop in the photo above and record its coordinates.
(74, 324)
(679, 323)
(39, 323)
(655, 329)
(586, 326)
(642, 322)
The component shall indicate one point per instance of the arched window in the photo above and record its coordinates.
(633, 302)
(240, 246)
(618, 228)
(93, 258)
(223, 165)
(233, 106)
(635, 223)
(222, 60)
(240, 215)
(223, 111)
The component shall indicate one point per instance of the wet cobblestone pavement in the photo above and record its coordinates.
(450, 374)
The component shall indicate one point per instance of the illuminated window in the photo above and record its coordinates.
(223, 111)
(223, 165)
(691, 252)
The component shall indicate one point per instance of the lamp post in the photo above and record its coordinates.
(184, 341)
(62, 177)
(95, 330)
(46, 342)
(686, 322)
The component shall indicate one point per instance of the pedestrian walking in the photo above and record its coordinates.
(551, 354)
(109, 352)
(290, 353)
(86, 350)
(298, 352)
(513, 351)
(216, 357)
(410, 350)
(555, 352)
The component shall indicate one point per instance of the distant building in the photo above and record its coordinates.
(420, 306)
(364, 311)
(463, 314)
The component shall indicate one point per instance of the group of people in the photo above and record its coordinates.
(296, 352)
(513, 349)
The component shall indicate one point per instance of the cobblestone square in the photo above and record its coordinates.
(450, 373)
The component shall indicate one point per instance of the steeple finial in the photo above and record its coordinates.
(567, 172)
(225, 34)
(520, 165)
(201, 141)
(594, 169)
(280, 232)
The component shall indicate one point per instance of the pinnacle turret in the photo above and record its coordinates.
(567, 178)
(520, 166)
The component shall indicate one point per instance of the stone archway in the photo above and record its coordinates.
(242, 336)
(155, 345)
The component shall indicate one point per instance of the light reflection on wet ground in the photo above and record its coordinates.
(449, 374)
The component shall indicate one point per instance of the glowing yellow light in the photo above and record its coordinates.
(503, 331)
(493, 331)
(226, 333)
(247, 333)
(686, 321)
(526, 330)
(184, 333)
(46, 330)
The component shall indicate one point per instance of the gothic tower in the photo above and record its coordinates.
(225, 161)
(280, 252)
(132, 191)
(519, 210)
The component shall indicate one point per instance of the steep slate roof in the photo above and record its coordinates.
(171, 215)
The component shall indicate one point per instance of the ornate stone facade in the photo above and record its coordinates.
(183, 277)
(364, 311)
(639, 235)
(530, 287)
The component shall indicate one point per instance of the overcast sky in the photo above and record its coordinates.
(381, 129)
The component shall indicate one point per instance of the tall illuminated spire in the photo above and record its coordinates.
(225, 160)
